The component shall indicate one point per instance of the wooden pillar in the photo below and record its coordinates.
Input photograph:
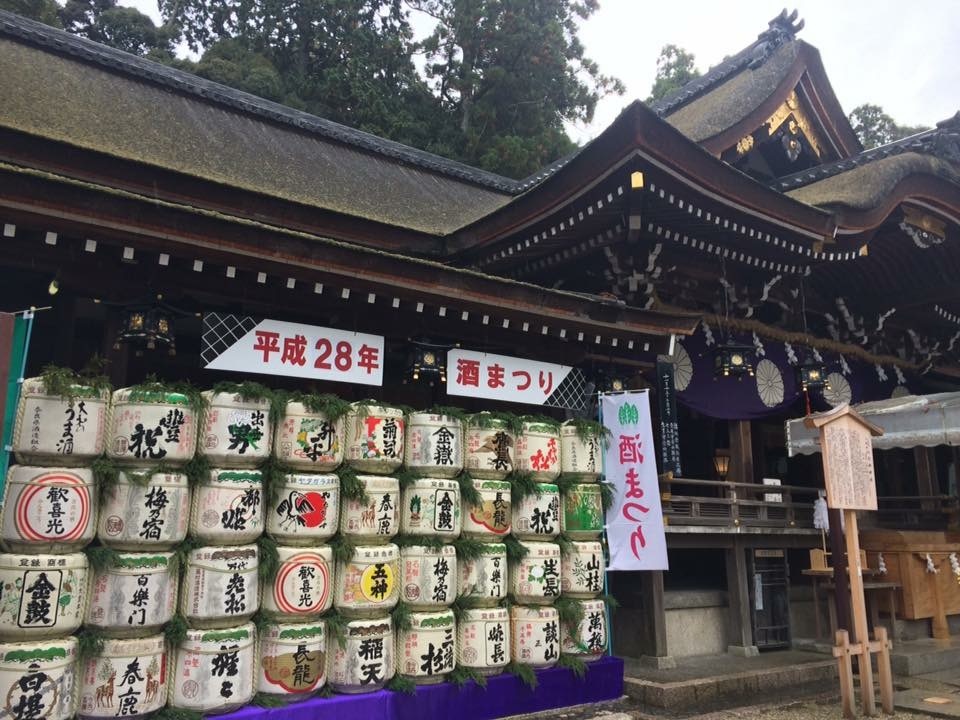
(926, 463)
(116, 359)
(741, 452)
(66, 310)
(738, 599)
(838, 555)
(655, 618)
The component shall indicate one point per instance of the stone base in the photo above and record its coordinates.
(743, 651)
(665, 662)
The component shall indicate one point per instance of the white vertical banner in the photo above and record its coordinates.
(635, 520)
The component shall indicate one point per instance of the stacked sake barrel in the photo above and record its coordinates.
(582, 520)
(215, 667)
(303, 514)
(49, 516)
(431, 512)
(483, 630)
(367, 582)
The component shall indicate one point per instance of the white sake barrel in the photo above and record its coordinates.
(220, 586)
(54, 430)
(366, 662)
(483, 639)
(213, 671)
(535, 636)
(374, 442)
(145, 517)
(151, 427)
(135, 597)
(483, 580)
(39, 678)
(538, 451)
(48, 509)
(427, 652)
(227, 509)
(490, 520)
(128, 678)
(236, 432)
(535, 579)
(305, 509)
(537, 516)
(376, 520)
(303, 587)
(43, 595)
(582, 517)
(368, 584)
(591, 640)
(488, 447)
(582, 568)
(293, 660)
(434, 445)
(581, 454)
(431, 507)
(428, 576)
(308, 441)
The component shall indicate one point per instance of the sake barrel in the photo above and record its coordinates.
(431, 507)
(374, 442)
(303, 587)
(434, 445)
(220, 586)
(368, 584)
(48, 509)
(583, 516)
(534, 636)
(305, 509)
(39, 679)
(483, 580)
(376, 519)
(236, 432)
(490, 520)
(535, 579)
(127, 678)
(43, 596)
(428, 576)
(309, 441)
(293, 660)
(63, 431)
(581, 451)
(537, 516)
(366, 662)
(213, 671)
(144, 511)
(581, 570)
(227, 508)
(427, 651)
(149, 426)
(488, 447)
(591, 640)
(538, 451)
(483, 640)
(135, 596)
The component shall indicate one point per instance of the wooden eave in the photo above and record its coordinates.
(85, 209)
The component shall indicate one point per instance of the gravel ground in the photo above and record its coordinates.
(823, 710)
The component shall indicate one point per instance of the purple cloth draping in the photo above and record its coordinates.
(504, 695)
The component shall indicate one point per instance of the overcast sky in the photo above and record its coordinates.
(904, 56)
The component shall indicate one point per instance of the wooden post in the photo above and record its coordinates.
(838, 554)
(843, 653)
(738, 598)
(741, 452)
(859, 607)
(883, 669)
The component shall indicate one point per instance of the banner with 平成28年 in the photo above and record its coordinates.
(635, 519)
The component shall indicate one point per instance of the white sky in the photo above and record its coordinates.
(904, 56)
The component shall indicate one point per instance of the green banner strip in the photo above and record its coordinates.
(17, 353)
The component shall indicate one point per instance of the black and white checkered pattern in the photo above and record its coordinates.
(571, 394)
(220, 332)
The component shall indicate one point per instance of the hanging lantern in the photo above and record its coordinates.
(146, 327)
(721, 463)
(428, 361)
(813, 375)
(733, 360)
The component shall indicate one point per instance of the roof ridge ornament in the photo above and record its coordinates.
(782, 29)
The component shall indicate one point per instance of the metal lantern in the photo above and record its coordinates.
(734, 360)
(813, 375)
(721, 463)
(428, 361)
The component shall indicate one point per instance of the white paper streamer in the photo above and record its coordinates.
(791, 354)
(881, 373)
(758, 346)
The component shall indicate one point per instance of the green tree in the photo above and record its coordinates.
(44, 11)
(874, 127)
(508, 74)
(675, 68)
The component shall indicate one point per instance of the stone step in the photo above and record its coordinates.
(919, 657)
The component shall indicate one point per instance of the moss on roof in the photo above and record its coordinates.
(87, 106)
(731, 101)
(866, 186)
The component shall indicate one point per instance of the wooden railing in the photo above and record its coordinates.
(687, 501)
(915, 512)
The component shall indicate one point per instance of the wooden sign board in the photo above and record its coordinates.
(847, 449)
